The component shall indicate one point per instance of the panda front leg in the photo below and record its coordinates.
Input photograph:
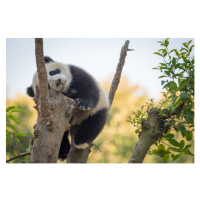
(90, 128)
(85, 104)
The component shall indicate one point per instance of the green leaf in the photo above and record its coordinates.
(183, 96)
(189, 41)
(163, 82)
(21, 134)
(161, 147)
(177, 53)
(17, 110)
(174, 142)
(189, 136)
(191, 48)
(174, 61)
(158, 53)
(137, 131)
(185, 44)
(10, 108)
(11, 126)
(17, 140)
(161, 76)
(166, 158)
(174, 149)
(165, 54)
(13, 118)
(161, 153)
(171, 85)
(183, 84)
(188, 152)
(167, 42)
(167, 72)
(187, 146)
(175, 157)
(183, 129)
(182, 144)
(155, 152)
(170, 136)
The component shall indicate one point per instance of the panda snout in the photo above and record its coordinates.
(58, 82)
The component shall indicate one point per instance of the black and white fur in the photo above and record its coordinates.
(89, 95)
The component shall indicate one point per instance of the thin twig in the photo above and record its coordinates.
(19, 156)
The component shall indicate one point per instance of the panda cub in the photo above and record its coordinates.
(89, 95)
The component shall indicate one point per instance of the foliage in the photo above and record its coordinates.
(13, 137)
(177, 77)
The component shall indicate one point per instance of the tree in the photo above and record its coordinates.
(161, 123)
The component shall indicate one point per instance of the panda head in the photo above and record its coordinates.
(58, 75)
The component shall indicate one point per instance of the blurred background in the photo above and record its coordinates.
(99, 57)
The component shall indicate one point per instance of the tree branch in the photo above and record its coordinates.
(152, 129)
(118, 72)
(44, 111)
(148, 135)
(81, 155)
(19, 156)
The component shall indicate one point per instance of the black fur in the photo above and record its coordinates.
(54, 72)
(84, 91)
(64, 147)
(91, 127)
(47, 59)
(87, 92)
(29, 91)
(70, 92)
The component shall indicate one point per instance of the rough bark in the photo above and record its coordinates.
(118, 72)
(152, 129)
(44, 111)
(147, 136)
(79, 155)
(54, 112)
(48, 135)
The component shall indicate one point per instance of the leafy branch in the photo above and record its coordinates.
(13, 137)
(176, 109)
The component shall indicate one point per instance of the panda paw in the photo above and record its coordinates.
(83, 105)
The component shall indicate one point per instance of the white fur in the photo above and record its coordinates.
(64, 75)
(66, 79)
(81, 146)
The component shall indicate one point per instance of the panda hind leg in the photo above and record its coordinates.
(90, 128)
(64, 147)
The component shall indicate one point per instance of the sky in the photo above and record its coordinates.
(97, 56)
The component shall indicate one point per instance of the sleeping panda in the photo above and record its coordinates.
(88, 94)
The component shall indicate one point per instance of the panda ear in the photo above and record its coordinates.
(47, 59)
(29, 91)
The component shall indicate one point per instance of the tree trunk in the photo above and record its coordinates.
(48, 136)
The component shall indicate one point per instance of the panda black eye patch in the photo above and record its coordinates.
(54, 72)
